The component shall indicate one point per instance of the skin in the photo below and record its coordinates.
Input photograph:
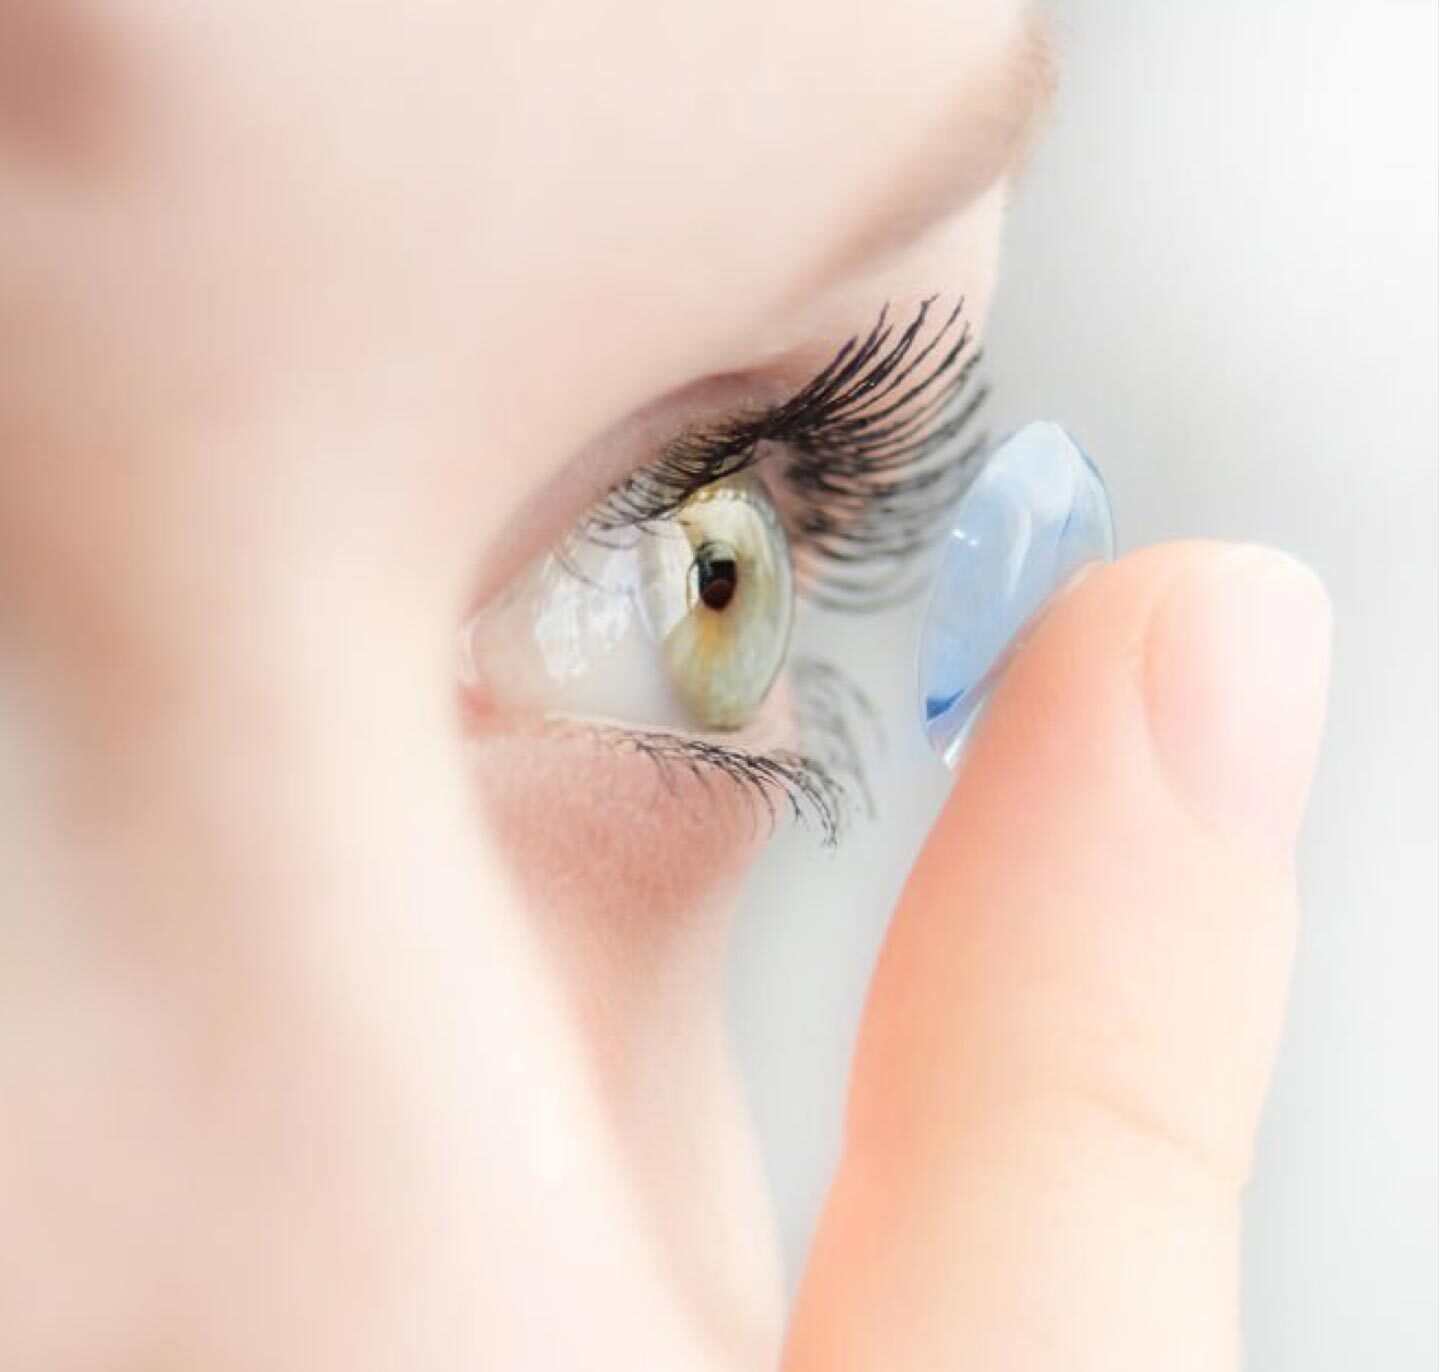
(336, 1037)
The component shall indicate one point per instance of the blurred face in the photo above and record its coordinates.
(333, 337)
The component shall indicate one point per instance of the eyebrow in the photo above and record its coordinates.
(986, 135)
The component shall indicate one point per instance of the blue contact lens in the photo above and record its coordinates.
(1035, 514)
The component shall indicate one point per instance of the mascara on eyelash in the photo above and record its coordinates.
(1033, 517)
(867, 457)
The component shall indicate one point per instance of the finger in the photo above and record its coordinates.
(1071, 1028)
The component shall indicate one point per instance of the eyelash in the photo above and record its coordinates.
(818, 788)
(870, 455)
(868, 458)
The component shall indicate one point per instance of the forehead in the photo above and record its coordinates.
(483, 202)
(659, 148)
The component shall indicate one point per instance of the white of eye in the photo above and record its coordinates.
(682, 623)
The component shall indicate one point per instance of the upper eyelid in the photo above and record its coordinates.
(598, 467)
(725, 413)
(873, 451)
(710, 447)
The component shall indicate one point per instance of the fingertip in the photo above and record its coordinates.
(1205, 663)
(1236, 675)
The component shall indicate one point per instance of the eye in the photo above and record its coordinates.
(719, 595)
(661, 624)
(681, 622)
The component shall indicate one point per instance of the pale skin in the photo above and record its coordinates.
(324, 1043)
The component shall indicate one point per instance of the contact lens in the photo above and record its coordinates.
(1035, 514)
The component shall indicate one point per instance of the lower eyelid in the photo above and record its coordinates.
(802, 759)
(592, 830)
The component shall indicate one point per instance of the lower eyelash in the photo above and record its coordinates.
(821, 788)
(776, 782)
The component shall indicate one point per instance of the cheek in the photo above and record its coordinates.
(611, 852)
(630, 879)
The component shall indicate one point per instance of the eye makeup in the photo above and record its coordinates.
(865, 458)
(862, 464)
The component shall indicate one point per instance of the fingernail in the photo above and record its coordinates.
(1237, 670)
(1035, 515)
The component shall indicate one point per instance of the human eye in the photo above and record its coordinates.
(663, 623)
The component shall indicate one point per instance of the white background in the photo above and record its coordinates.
(1221, 275)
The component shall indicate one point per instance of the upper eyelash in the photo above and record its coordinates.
(872, 453)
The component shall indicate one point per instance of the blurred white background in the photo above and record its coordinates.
(1221, 275)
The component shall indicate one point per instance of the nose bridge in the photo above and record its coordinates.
(222, 732)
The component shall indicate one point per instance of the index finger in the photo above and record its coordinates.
(1070, 1032)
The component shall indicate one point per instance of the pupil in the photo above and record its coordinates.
(716, 576)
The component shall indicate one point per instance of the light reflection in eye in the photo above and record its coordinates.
(681, 622)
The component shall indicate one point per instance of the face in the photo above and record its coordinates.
(601, 341)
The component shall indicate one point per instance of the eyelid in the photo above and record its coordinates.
(867, 456)
(817, 779)
(606, 461)
(660, 455)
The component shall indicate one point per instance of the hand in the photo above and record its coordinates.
(1072, 1026)
(290, 1067)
